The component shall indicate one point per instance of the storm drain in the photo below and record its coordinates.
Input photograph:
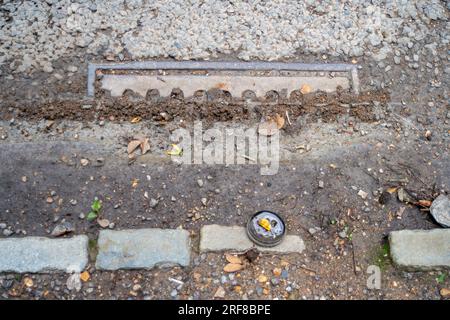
(236, 78)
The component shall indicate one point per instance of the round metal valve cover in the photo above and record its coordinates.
(261, 235)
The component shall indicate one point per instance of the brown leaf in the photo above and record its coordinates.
(305, 89)
(85, 276)
(220, 293)
(392, 190)
(445, 292)
(136, 119)
(277, 272)
(424, 203)
(233, 259)
(28, 282)
(133, 145)
(145, 146)
(233, 267)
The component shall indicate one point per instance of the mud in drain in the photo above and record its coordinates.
(327, 107)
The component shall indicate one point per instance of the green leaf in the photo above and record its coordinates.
(441, 278)
(176, 151)
(92, 216)
(96, 205)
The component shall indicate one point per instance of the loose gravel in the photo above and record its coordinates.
(34, 34)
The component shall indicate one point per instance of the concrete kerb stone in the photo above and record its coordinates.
(418, 250)
(143, 248)
(127, 249)
(40, 254)
(220, 238)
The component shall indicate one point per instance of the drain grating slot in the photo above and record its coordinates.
(234, 77)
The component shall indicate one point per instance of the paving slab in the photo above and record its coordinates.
(142, 248)
(417, 250)
(40, 254)
(220, 238)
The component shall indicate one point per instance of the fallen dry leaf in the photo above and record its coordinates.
(13, 293)
(392, 190)
(134, 183)
(136, 119)
(85, 276)
(28, 282)
(133, 145)
(104, 223)
(305, 89)
(276, 272)
(233, 259)
(424, 203)
(445, 293)
(145, 146)
(233, 267)
(220, 293)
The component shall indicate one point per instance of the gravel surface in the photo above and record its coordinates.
(33, 34)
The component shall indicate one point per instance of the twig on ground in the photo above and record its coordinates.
(287, 117)
(308, 269)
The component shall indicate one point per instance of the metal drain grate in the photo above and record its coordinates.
(235, 77)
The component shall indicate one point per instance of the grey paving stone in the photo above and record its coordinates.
(421, 249)
(39, 254)
(219, 238)
(142, 248)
